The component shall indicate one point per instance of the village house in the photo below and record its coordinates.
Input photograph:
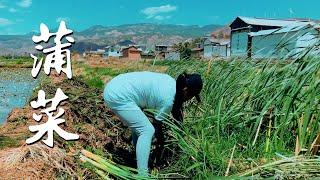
(258, 37)
(147, 54)
(216, 48)
(172, 55)
(161, 51)
(97, 53)
(142, 47)
(162, 48)
(286, 42)
(115, 50)
(131, 52)
(112, 52)
(197, 53)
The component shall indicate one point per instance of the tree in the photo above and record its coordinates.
(184, 50)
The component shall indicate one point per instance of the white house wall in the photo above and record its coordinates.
(273, 45)
(113, 54)
(207, 51)
(216, 51)
(172, 56)
(219, 51)
(308, 42)
(280, 45)
(239, 43)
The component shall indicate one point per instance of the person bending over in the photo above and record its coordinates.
(128, 94)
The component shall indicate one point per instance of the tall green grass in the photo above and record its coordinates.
(92, 76)
(261, 107)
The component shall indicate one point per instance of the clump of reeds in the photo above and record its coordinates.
(107, 168)
(263, 107)
(250, 110)
(297, 167)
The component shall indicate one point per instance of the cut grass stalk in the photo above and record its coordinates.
(110, 167)
(230, 161)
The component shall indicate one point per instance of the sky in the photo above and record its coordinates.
(25, 16)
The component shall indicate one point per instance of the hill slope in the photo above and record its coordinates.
(99, 36)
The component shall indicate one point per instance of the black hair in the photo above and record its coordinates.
(177, 108)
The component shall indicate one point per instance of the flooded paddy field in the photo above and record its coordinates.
(16, 86)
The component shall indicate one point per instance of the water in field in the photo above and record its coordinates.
(16, 86)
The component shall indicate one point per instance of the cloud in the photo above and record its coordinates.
(25, 3)
(5, 22)
(160, 18)
(65, 19)
(2, 5)
(13, 10)
(157, 12)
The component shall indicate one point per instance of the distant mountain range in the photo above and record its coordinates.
(100, 36)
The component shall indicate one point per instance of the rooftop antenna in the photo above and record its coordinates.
(291, 12)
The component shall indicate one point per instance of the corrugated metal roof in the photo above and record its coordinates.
(127, 47)
(291, 28)
(219, 41)
(272, 22)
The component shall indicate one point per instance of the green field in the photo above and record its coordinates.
(263, 110)
(256, 119)
(257, 113)
(16, 62)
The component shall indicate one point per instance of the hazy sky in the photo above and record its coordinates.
(24, 16)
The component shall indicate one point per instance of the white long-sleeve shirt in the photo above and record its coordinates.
(145, 90)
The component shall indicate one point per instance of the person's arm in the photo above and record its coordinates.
(177, 113)
(161, 115)
(163, 112)
(159, 134)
